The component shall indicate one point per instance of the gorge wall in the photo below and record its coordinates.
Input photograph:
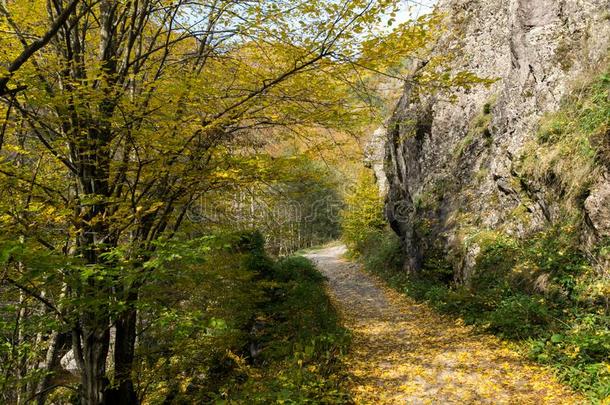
(455, 172)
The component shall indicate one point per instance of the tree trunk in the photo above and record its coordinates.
(95, 341)
(124, 348)
(21, 371)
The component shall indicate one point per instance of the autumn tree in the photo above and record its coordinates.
(124, 122)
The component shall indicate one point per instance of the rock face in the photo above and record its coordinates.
(450, 166)
(374, 157)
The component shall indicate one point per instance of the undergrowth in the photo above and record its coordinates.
(239, 327)
(298, 333)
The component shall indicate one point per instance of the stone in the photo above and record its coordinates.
(597, 207)
(536, 49)
(68, 363)
(374, 157)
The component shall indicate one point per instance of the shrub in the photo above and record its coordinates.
(579, 353)
(383, 251)
(294, 268)
(217, 296)
(519, 316)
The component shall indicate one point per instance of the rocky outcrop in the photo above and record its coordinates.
(452, 166)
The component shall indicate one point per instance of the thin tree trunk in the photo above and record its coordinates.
(21, 360)
(57, 344)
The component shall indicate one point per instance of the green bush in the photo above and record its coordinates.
(579, 353)
(382, 250)
(296, 268)
(218, 295)
(519, 316)
(302, 341)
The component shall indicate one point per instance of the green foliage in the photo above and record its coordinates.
(365, 231)
(519, 315)
(383, 250)
(197, 312)
(296, 268)
(580, 353)
(214, 298)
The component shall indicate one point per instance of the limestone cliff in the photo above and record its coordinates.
(455, 169)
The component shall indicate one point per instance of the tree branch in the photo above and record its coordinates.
(36, 45)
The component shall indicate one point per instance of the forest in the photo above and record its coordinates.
(177, 181)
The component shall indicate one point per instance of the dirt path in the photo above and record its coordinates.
(403, 352)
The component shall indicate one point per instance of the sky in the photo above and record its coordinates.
(415, 8)
(410, 10)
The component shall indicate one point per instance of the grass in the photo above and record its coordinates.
(479, 128)
(572, 144)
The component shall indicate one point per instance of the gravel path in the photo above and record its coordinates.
(403, 352)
